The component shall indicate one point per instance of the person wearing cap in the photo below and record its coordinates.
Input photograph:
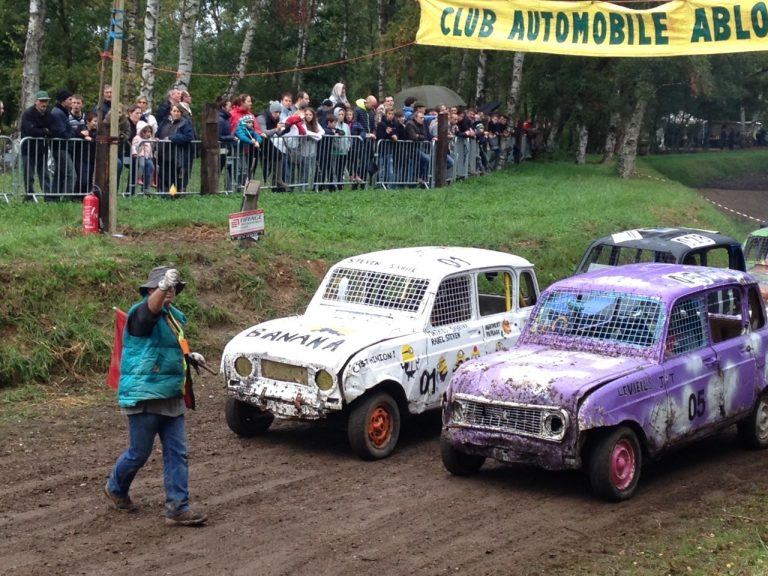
(250, 138)
(61, 133)
(271, 126)
(35, 128)
(325, 110)
(153, 373)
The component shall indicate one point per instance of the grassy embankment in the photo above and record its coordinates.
(59, 285)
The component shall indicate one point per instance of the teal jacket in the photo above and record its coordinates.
(152, 368)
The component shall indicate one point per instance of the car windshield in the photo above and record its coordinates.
(376, 289)
(597, 321)
(603, 256)
(756, 251)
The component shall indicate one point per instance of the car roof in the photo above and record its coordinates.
(432, 261)
(760, 232)
(676, 241)
(668, 281)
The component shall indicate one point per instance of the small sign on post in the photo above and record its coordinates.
(248, 224)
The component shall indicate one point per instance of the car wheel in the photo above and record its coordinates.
(614, 464)
(374, 426)
(457, 462)
(753, 431)
(245, 419)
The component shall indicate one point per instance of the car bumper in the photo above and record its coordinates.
(284, 400)
(511, 448)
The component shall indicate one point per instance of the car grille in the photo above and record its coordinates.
(284, 372)
(521, 419)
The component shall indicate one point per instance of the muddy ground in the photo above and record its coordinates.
(297, 501)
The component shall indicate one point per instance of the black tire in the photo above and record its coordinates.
(373, 427)
(753, 432)
(614, 464)
(459, 463)
(245, 419)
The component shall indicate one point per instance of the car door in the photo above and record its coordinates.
(728, 318)
(504, 299)
(454, 335)
(690, 371)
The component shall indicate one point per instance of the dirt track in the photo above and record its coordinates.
(297, 501)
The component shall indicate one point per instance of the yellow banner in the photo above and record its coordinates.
(596, 28)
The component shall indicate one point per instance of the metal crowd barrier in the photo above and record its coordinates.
(54, 169)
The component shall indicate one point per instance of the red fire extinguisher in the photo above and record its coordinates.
(91, 214)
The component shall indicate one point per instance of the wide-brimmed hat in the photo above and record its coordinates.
(155, 276)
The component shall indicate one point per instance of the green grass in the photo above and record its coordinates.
(59, 286)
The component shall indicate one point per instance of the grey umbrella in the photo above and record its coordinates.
(430, 96)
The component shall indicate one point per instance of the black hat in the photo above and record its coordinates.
(62, 95)
(154, 279)
(327, 102)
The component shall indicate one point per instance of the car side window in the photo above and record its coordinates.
(527, 289)
(452, 302)
(686, 327)
(756, 310)
(724, 314)
(717, 257)
(495, 292)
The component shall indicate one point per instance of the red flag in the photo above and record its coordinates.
(113, 379)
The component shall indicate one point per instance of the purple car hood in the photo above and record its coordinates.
(533, 374)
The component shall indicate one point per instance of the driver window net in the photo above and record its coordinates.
(452, 302)
(686, 327)
(377, 289)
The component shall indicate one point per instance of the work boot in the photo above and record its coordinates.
(123, 503)
(188, 518)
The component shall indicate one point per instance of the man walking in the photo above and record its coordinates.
(153, 372)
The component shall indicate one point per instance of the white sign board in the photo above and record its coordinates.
(246, 224)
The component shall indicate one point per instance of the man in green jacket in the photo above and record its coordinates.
(153, 372)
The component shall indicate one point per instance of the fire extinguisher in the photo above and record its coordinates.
(91, 214)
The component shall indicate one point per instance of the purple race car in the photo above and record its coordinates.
(614, 366)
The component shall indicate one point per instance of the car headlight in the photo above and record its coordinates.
(324, 380)
(243, 366)
(555, 425)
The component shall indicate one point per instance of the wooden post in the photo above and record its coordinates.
(101, 172)
(209, 174)
(118, 17)
(441, 150)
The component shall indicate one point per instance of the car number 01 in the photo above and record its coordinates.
(697, 405)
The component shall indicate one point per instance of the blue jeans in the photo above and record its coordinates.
(142, 429)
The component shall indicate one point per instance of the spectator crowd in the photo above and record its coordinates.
(290, 144)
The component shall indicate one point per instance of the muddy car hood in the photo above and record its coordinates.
(532, 374)
(327, 341)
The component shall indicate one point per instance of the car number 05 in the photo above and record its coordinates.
(697, 405)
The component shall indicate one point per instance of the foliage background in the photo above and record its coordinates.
(566, 90)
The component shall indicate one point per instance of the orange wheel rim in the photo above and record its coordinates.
(379, 427)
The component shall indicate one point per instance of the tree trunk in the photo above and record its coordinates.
(482, 60)
(581, 149)
(131, 20)
(308, 14)
(628, 155)
(381, 68)
(462, 72)
(513, 98)
(245, 50)
(190, 10)
(610, 139)
(33, 48)
(550, 144)
(150, 49)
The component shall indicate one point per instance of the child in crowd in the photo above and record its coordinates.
(143, 150)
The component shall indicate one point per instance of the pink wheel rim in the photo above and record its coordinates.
(623, 464)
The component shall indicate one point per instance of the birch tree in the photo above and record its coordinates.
(245, 50)
(33, 48)
(305, 17)
(150, 49)
(131, 49)
(482, 61)
(513, 97)
(628, 155)
(382, 29)
(190, 10)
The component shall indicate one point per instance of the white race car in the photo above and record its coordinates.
(381, 337)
